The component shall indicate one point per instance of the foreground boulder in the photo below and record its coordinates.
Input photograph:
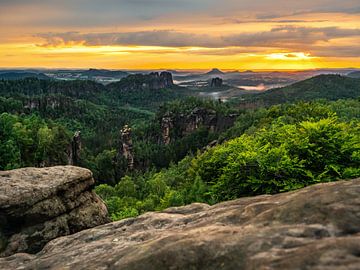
(38, 205)
(313, 228)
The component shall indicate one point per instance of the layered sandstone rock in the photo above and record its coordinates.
(136, 82)
(314, 228)
(186, 124)
(40, 204)
(127, 146)
(216, 83)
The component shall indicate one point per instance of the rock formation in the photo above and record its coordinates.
(38, 205)
(167, 79)
(74, 155)
(200, 117)
(314, 228)
(166, 125)
(216, 83)
(164, 80)
(127, 146)
(186, 124)
(152, 81)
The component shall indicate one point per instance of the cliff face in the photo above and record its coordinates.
(75, 149)
(216, 82)
(186, 124)
(314, 228)
(38, 205)
(127, 147)
(152, 81)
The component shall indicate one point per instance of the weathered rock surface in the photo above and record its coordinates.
(127, 146)
(185, 124)
(314, 228)
(40, 204)
(216, 82)
(136, 82)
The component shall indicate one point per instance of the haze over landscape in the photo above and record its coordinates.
(180, 34)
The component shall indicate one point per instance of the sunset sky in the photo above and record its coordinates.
(180, 34)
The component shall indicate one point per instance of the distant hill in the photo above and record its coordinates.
(331, 87)
(146, 91)
(354, 74)
(22, 75)
(215, 71)
(105, 73)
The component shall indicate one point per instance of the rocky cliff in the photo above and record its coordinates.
(185, 124)
(314, 228)
(216, 83)
(38, 205)
(127, 150)
(152, 81)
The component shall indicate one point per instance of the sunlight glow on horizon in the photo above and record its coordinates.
(238, 35)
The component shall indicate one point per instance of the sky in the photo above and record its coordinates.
(180, 34)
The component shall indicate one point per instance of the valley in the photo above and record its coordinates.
(179, 135)
(172, 132)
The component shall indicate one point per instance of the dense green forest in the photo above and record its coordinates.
(100, 113)
(183, 149)
(31, 141)
(331, 87)
(278, 149)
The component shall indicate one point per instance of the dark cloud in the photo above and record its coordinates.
(336, 51)
(165, 38)
(290, 36)
(285, 37)
(278, 36)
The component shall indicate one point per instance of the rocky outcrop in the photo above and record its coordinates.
(200, 117)
(152, 81)
(314, 228)
(167, 79)
(75, 149)
(127, 146)
(216, 83)
(185, 124)
(156, 81)
(40, 204)
(166, 126)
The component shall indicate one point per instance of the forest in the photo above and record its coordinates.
(183, 149)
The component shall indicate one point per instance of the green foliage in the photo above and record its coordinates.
(330, 87)
(187, 105)
(126, 187)
(105, 170)
(251, 120)
(268, 150)
(280, 158)
(31, 141)
(282, 148)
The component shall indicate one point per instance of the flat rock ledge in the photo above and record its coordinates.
(41, 204)
(313, 228)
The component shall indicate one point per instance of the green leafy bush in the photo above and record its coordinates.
(280, 158)
(31, 141)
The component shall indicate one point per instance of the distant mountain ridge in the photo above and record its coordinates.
(330, 87)
(22, 75)
(105, 73)
(215, 71)
(354, 74)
